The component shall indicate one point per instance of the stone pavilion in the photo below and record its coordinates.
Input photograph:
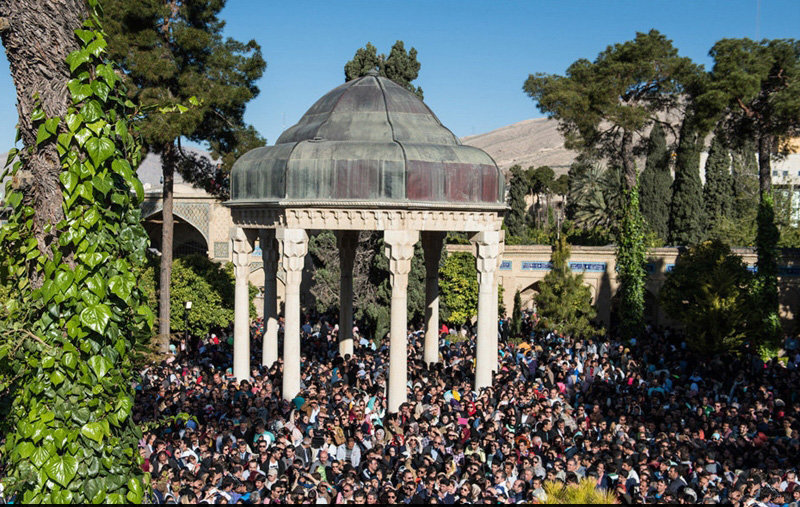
(367, 156)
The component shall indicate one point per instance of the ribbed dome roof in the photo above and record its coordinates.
(368, 140)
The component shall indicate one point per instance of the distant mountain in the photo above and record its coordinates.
(527, 143)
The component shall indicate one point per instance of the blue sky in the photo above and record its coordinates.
(475, 55)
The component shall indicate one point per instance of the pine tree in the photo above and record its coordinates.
(517, 190)
(170, 52)
(655, 184)
(564, 302)
(400, 66)
(718, 190)
(686, 208)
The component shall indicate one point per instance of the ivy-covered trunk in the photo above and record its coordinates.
(75, 311)
(765, 142)
(37, 43)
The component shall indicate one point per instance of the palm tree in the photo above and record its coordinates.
(597, 197)
(585, 492)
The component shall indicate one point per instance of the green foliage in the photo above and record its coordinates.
(67, 338)
(686, 211)
(458, 288)
(596, 197)
(371, 287)
(605, 106)
(563, 301)
(708, 291)
(718, 190)
(631, 260)
(765, 288)
(207, 284)
(585, 492)
(400, 66)
(655, 183)
(517, 191)
(516, 315)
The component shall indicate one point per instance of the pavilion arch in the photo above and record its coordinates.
(188, 238)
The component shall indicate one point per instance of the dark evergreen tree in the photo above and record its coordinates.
(517, 191)
(400, 66)
(767, 331)
(718, 190)
(656, 183)
(564, 302)
(686, 208)
(171, 53)
(516, 315)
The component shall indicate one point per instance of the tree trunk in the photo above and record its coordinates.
(168, 162)
(628, 162)
(36, 43)
(765, 142)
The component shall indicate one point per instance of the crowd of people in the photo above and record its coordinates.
(644, 419)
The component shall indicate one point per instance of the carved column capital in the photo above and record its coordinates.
(488, 251)
(400, 250)
(294, 247)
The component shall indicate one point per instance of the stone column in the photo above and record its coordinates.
(347, 241)
(294, 246)
(399, 250)
(495, 296)
(432, 245)
(487, 251)
(269, 255)
(242, 248)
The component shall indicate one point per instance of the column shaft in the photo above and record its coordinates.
(242, 247)
(399, 250)
(487, 252)
(496, 298)
(294, 248)
(269, 255)
(347, 241)
(432, 246)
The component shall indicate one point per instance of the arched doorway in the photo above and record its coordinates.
(187, 239)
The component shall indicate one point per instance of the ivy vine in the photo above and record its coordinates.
(631, 262)
(65, 346)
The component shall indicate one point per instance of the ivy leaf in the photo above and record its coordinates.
(135, 491)
(91, 111)
(94, 487)
(25, 449)
(82, 135)
(97, 46)
(101, 183)
(100, 90)
(60, 437)
(84, 35)
(42, 134)
(76, 58)
(107, 73)
(61, 469)
(99, 149)
(63, 280)
(40, 457)
(56, 378)
(100, 365)
(96, 318)
(70, 360)
(93, 431)
(51, 124)
(121, 287)
(74, 121)
(69, 180)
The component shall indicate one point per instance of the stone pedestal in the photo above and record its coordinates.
(487, 252)
(269, 256)
(432, 246)
(294, 246)
(347, 241)
(242, 247)
(399, 250)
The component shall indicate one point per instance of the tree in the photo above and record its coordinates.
(75, 312)
(458, 286)
(540, 180)
(718, 190)
(606, 106)
(655, 183)
(584, 492)
(563, 301)
(708, 292)
(757, 86)
(765, 290)
(207, 284)
(516, 315)
(560, 187)
(172, 54)
(400, 66)
(597, 197)
(631, 259)
(686, 212)
(517, 191)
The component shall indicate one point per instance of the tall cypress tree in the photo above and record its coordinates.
(656, 182)
(686, 208)
(718, 190)
(517, 190)
(172, 51)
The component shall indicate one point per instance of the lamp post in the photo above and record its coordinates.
(188, 307)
